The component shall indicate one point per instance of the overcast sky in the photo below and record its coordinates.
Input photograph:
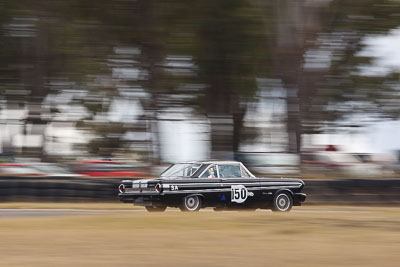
(385, 51)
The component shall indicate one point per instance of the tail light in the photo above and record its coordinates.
(158, 188)
(121, 188)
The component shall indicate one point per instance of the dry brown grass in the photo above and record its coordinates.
(317, 236)
(68, 205)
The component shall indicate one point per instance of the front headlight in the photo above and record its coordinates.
(158, 188)
(121, 188)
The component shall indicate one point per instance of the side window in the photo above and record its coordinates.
(229, 171)
(244, 173)
(191, 170)
(211, 172)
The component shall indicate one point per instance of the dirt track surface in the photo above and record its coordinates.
(307, 236)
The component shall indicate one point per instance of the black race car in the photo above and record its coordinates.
(219, 184)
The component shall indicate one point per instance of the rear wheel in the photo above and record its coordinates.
(155, 209)
(191, 203)
(283, 202)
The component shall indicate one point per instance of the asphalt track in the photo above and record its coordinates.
(21, 213)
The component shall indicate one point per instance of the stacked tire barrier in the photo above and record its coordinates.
(58, 189)
(341, 191)
(353, 191)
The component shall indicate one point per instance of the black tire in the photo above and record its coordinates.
(155, 209)
(282, 202)
(191, 203)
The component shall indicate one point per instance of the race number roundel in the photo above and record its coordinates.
(239, 193)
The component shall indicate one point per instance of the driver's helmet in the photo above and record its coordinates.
(212, 173)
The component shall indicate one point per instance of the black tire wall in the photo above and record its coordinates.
(341, 191)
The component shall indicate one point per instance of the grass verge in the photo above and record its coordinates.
(315, 236)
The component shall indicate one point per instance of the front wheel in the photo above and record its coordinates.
(155, 209)
(191, 203)
(283, 202)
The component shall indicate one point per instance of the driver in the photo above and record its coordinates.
(211, 172)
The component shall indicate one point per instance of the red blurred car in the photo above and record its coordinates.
(108, 168)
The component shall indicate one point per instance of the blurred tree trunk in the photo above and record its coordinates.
(290, 20)
(35, 63)
(298, 22)
(226, 113)
(152, 56)
(230, 43)
(219, 111)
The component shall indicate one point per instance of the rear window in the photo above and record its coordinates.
(229, 171)
(181, 170)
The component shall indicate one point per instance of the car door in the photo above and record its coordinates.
(239, 186)
(208, 184)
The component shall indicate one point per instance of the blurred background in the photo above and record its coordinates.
(124, 87)
(96, 91)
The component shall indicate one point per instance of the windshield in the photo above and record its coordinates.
(181, 170)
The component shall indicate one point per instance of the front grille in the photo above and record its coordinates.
(141, 187)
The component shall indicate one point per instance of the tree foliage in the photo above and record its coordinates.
(220, 48)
